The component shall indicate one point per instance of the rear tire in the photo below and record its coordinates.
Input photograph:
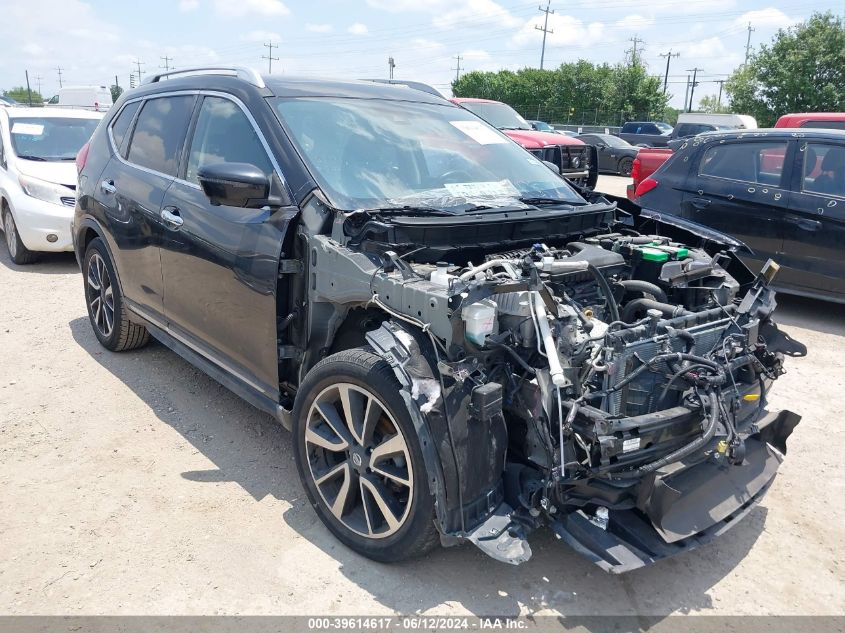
(625, 166)
(104, 299)
(19, 253)
(362, 459)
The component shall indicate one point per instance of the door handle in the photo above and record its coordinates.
(700, 203)
(171, 217)
(107, 186)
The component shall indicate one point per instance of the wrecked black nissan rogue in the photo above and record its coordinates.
(465, 347)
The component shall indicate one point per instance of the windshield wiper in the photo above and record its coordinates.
(28, 157)
(536, 202)
(405, 210)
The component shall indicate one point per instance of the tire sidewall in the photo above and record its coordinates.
(22, 254)
(626, 161)
(420, 517)
(97, 246)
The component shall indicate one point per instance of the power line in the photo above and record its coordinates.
(166, 61)
(748, 42)
(269, 57)
(458, 68)
(694, 83)
(668, 57)
(59, 70)
(545, 29)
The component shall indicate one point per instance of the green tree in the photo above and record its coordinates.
(116, 91)
(580, 92)
(19, 94)
(711, 105)
(801, 70)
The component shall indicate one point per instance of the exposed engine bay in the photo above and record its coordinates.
(568, 370)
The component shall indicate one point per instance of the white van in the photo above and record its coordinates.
(38, 148)
(726, 121)
(97, 98)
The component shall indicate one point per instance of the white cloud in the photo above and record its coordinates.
(358, 29)
(262, 36)
(475, 54)
(403, 6)
(240, 8)
(188, 5)
(319, 28)
(478, 12)
(567, 31)
(633, 22)
(769, 17)
(666, 7)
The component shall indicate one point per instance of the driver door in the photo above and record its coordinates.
(220, 264)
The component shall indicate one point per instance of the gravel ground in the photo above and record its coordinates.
(134, 484)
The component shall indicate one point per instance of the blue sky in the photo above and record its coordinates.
(94, 40)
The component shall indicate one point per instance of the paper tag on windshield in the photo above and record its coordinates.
(32, 129)
(479, 132)
(494, 189)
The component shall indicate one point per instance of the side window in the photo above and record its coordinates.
(159, 133)
(748, 162)
(824, 170)
(120, 126)
(224, 134)
(827, 125)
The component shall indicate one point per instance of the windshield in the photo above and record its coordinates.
(368, 154)
(614, 141)
(542, 126)
(498, 115)
(664, 127)
(50, 138)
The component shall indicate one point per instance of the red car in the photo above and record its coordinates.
(575, 159)
(828, 120)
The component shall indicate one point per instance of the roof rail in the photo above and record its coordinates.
(247, 74)
(416, 85)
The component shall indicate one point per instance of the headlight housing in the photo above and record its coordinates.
(43, 190)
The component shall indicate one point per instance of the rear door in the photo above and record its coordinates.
(147, 139)
(221, 264)
(740, 191)
(813, 253)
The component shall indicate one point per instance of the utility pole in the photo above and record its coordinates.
(458, 69)
(636, 40)
(390, 66)
(721, 83)
(28, 91)
(686, 94)
(38, 81)
(59, 70)
(166, 61)
(694, 83)
(269, 57)
(668, 57)
(544, 29)
(138, 63)
(748, 42)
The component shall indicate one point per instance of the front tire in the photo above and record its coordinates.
(359, 458)
(19, 253)
(104, 299)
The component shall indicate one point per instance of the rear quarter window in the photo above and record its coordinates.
(160, 133)
(120, 126)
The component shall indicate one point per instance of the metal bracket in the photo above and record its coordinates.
(287, 352)
(290, 267)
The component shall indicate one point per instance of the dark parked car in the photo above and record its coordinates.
(464, 347)
(542, 126)
(615, 155)
(780, 192)
(650, 133)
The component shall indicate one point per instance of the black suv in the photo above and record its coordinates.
(464, 346)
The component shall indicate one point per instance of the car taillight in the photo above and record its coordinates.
(81, 157)
(645, 186)
(635, 169)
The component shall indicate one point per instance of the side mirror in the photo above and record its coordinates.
(234, 184)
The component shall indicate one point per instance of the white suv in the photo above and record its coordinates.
(38, 148)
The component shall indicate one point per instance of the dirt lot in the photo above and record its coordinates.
(133, 484)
